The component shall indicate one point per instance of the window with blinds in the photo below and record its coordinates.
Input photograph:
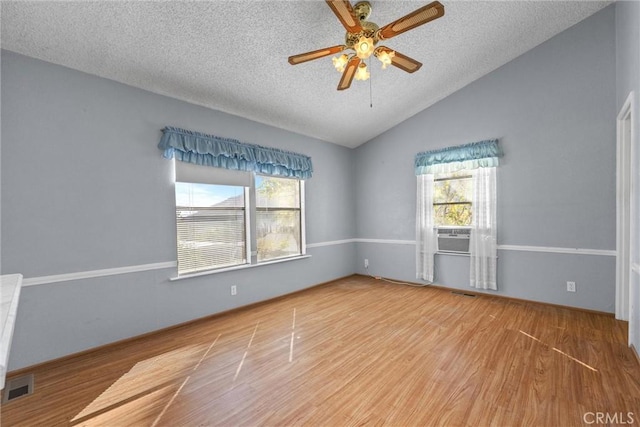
(211, 226)
(278, 217)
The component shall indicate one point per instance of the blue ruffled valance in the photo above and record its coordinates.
(209, 150)
(476, 155)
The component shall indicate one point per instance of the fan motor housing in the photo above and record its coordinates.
(369, 29)
(362, 10)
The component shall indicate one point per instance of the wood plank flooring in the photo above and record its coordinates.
(357, 351)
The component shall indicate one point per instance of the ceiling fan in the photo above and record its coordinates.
(363, 36)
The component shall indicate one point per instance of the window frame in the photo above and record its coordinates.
(246, 232)
(301, 208)
(451, 176)
(250, 229)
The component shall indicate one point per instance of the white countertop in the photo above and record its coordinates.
(10, 285)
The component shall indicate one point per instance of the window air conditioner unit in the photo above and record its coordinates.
(454, 240)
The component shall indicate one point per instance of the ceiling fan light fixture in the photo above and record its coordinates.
(364, 47)
(362, 73)
(362, 37)
(386, 57)
(340, 62)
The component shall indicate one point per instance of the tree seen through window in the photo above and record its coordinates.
(452, 199)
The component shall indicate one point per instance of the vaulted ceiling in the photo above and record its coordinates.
(232, 55)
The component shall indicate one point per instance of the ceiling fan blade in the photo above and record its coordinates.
(320, 53)
(416, 18)
(401, 61)
(349, 73)
(344, 12)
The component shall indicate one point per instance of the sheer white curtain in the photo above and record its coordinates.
(426, 234)
(484, 244)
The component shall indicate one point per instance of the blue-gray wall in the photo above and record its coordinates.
(627, 80)
(553, 110)
(84, 187)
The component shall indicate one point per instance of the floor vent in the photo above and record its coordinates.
(18, 387)
(463, 294)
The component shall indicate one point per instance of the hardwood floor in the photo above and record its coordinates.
(354, 352)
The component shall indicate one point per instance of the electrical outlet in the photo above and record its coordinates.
(366, 263)
(571, 286)
(234, 290)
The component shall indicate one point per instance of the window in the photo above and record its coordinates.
(211, 226)
(464, 198)
(222, 216)
(278, 217)
(452, 194)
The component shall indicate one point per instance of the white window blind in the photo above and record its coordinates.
(211, 226)
(279, 214)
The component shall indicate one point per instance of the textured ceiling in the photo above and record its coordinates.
(232, 55)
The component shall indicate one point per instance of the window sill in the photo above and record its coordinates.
(454, 253)
(238, 267)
